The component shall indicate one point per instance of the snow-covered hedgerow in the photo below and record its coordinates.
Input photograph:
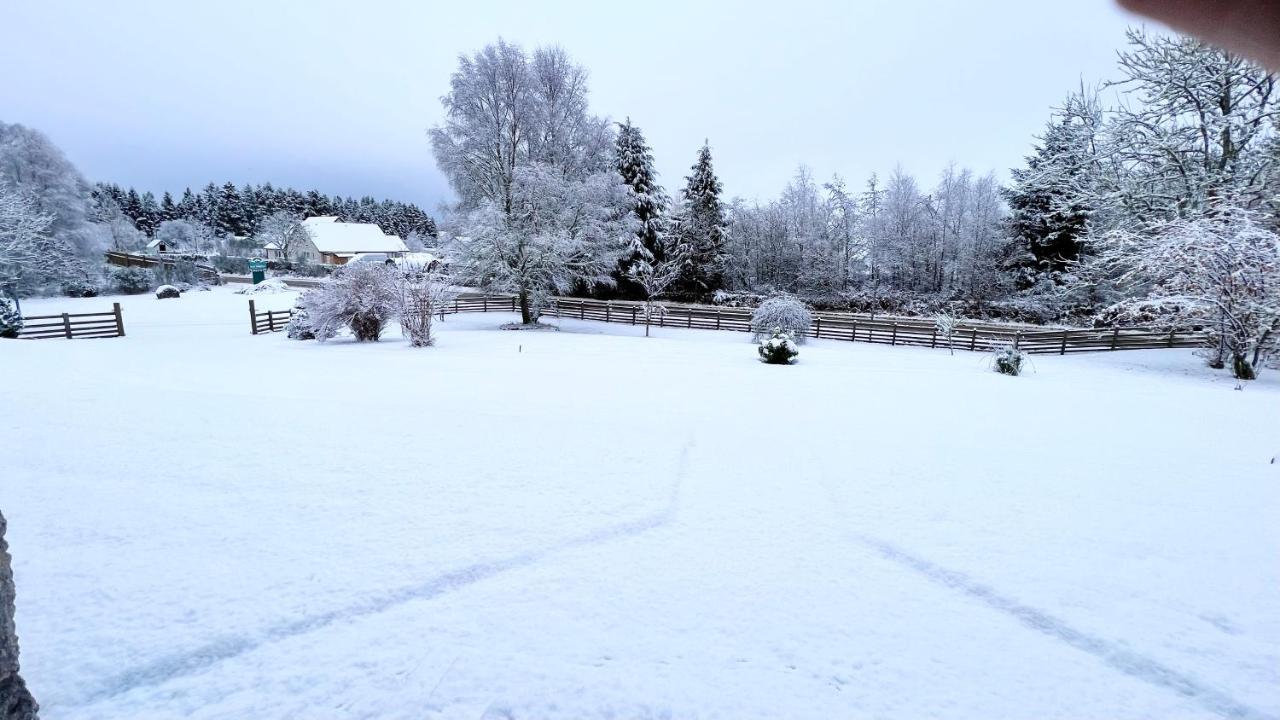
(132, 280)
(10, 320)
(1008, 361)
(779, 349)
(363, 297)
(783, 313)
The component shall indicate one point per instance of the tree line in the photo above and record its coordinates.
(240, 212)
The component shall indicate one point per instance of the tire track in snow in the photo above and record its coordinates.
(193, 661)
(1127, 661)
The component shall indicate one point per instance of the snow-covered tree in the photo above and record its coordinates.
(33, 165)
(655, 272)
(423, 292)
(287, 232)
(1220, 270)
(784, 313)
(362, 296)
(557, 234)
(29, 253)
(634, 162)
(701, 226)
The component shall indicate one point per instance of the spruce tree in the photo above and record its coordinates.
(702, 228)
(1049, 218)
(634, 162)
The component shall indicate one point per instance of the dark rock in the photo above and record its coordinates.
(16, 702)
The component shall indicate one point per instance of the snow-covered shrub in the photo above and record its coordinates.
(363, 297)
(176, 272)
(166, 292)
(80, 287)
(132, 280)
(1008, 361)
(270, 286)
(299, 327)
(779, 349)
(422, 292)
(10, 320)
(783, 313)
(946, 322)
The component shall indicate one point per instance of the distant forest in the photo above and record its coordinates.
(229, 210)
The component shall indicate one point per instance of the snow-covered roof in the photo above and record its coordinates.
(331, 236)
(156, 243)
(271, 246)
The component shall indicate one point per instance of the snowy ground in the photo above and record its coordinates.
(590, 524)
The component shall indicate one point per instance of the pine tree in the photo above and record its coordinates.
(702, 228)
(1050, 213)
(168, 210)
(634, 162)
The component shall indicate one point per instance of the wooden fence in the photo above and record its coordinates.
(124, 259)
(78, 325)
(880, 329)
(268, 321)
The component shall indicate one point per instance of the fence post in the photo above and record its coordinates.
(853, 334)
(66, 325)
(973, 339)
(689, 317)
(271, 320)
(455, 306)
(1064, 343)
(513, 303)
(1017, 340)
(893, 340)
(662, 316)
(253, 318)
(933, 343)
(485, 300)
(582, 309)
(608, 308)
(817, 328)
(1115, 335)
(633, 314)
(115, 307)
(1171, 332)
(717, 318)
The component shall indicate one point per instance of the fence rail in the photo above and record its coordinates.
(978, 336)
(124, 259)
(73, 325)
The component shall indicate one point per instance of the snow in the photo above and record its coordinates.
(505, 526)
(270, 286)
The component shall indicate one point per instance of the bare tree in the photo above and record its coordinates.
(655, 275)
(423, 292)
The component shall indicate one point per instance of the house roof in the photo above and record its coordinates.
(331, 236)
(271, 246)
(157, 241)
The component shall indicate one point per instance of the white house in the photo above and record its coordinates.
(334, 243)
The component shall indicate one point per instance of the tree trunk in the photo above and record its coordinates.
(16, 702)
(524, 307)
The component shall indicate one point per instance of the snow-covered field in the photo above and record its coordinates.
(590, 524)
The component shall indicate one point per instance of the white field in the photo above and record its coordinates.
(590, 524)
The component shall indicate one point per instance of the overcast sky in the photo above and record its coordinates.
(338, 95)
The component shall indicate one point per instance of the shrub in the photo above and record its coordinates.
(784, 313)
(362, 297)
(779, 349)
(132, 280)
(80, 287)
(299, 327)
(10, 320)
(179, 271)
(166, 292)
(1008, 361)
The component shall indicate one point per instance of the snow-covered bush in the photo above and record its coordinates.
(166, 292)
(132, 280)
(10, 320)
(779, 349)
(363, 297)
(270, 286)
(80, 287)
(422, 292)
(178, 271)
(1008, 361)
(783, 313)
(299, 327)
(946, 322)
